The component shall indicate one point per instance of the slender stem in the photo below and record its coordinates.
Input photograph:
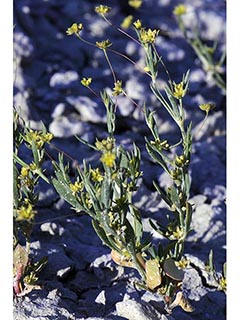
(136, 104)
(110, 65)
(120, 30)
(85, 41)
(94, 92)
(162, 63)
(130, 60)
(203, 122)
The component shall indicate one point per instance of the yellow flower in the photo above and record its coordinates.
(86, 82)
(180, 160)
(183, 263)
(102, 9)
(47, 137)
(38, 137)
(179, 91)
(33, 166)
(127, 22)
(137, 24)
(117, 88)
(207, 106)
(135, 3)
(76, 187)
(180, 10)
(74, 29)
(103, 44)
(108, 158)
(105, 145)
(24, 171)
(148, 36)
(25, 212)
(96, 175)
(178, 233)
(223, 283)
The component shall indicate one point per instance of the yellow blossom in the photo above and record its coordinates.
(25, 212)
(148, 36)
(96, 175)
(222, 283)
(74, 29)
(178, 90)
(180, 10)
(178, 233)
(76, 187)
(146, 69)
(117, 88)
(207, 106)
(108, 158)
(137, 24)
(103, 44)
(86, 82)
(102, 9)
(127, 22)
(47, 137)
(24, 171)
(33, 166)
(135, 3)
(105, 145)
(38, 137)
(183, 263)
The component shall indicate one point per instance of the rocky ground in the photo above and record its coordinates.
(80, 281)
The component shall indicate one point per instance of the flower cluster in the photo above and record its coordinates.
(39, 137)
(180, 10)
(102, 9)
(96, 175)
(148, 36)
(127, 22)
(103, 44)
(207, 106)
(25, 212)
(178, 90)
(135, 3)
(117, 88)
(105, 145)
(108, 158)
(76, 187)
(74, 29)
(137, 24)
(86, 82)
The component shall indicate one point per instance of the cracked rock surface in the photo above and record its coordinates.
(80, 280)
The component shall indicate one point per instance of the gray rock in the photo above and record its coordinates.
(52, 228)
(68, 126)
(133, 310)
(63, 79)
(88, 109)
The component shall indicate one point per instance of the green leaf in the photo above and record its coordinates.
(158, 228)
(35, 154)
(151, 122)
(173, 102)
(86, 143)
(188, 218)
(16, 193)
(66, 193)
(106, 192)
(163, 194)
(154, 155)
(138, 228)
(102, 235)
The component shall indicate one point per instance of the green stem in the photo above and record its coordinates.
(110, 65)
